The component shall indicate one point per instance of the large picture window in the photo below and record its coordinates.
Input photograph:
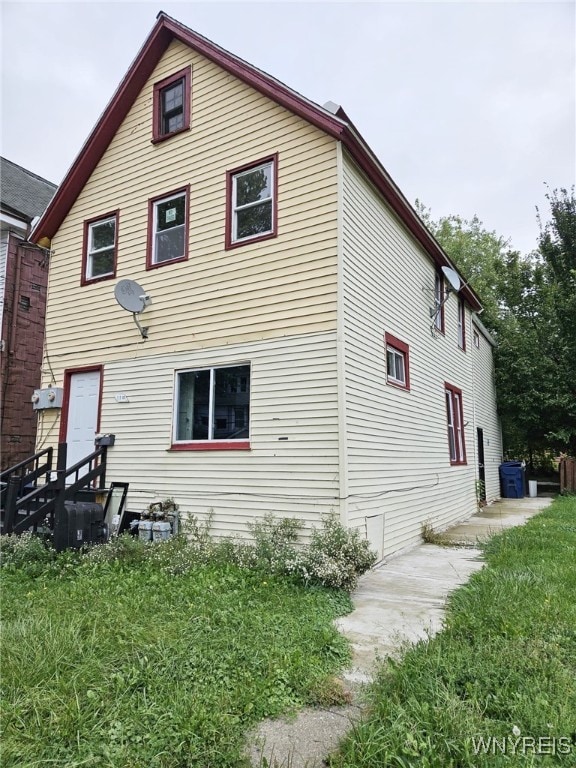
(99, 253)
(455, 419)
(212, 408)
(172, 105)
(168, 228)
(251, 202)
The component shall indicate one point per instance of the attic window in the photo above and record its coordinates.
(172, 105)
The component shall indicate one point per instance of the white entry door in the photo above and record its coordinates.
(83, 405)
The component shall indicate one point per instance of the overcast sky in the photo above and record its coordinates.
(470, 106)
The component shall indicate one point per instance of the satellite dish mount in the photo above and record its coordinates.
(133, 298)
(453, 285)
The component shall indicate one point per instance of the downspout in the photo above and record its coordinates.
(340, 347)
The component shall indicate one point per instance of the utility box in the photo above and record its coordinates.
(82, 524)
(50, 397)
(512, 479)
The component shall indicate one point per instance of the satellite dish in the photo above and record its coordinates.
(131, 296)
(452, 277)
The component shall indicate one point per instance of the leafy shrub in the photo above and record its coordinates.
(27, 552)
(336, 556)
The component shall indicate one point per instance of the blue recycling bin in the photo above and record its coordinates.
(512, 480)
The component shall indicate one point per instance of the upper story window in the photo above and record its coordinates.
(439, 302)
(455, 419)
(461, 324)
(251, 202)
(172, 105)
(212, 408)
(168, 228)
(397, 362)
(477, 339)
(100, 244)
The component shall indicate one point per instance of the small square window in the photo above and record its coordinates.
(397, 362)
(455, 420)
(100, 245)
(168, 229)
(251, 203)
(212, 408)
(172, 105)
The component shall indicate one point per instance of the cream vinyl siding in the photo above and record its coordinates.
(486, 416)
(399, 472)
(293, 395)
(285, 285)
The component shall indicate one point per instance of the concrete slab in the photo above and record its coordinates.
(400, 601)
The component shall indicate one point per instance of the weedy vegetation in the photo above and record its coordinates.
(163, 655)
(504, 667)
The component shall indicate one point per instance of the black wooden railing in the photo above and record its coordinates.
(24, 510)
(27, 473)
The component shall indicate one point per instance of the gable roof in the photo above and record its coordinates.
(23, 194)
(336, 125)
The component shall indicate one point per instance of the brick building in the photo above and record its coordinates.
(23, 281)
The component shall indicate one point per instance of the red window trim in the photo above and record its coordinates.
(212, 445)
(459, 414)
(150, 236)
(87, 222)
(157, 135)
(404, 349)
(229, 243)
(440, 277)
(68, 373)
(462, 317)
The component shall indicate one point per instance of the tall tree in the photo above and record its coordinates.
(530, 306)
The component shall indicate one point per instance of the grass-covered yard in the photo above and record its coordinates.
(124, 664)
(497, 688)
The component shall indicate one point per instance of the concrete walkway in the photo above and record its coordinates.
(402, 600)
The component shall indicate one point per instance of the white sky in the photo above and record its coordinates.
(469, 105)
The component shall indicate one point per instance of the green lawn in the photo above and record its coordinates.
(122, 665)
(504, 668)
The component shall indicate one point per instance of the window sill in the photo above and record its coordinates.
(164, 137)
(463, 463)
(397, 385)
(98, 279)
(249, 240)
(157, 264)
(212, 445)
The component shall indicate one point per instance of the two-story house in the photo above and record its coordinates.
(303, 354)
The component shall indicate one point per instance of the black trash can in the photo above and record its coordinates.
(512, 480)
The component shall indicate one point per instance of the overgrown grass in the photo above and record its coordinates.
(122, 664)
(505, 666)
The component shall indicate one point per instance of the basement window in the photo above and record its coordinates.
(212, 409)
